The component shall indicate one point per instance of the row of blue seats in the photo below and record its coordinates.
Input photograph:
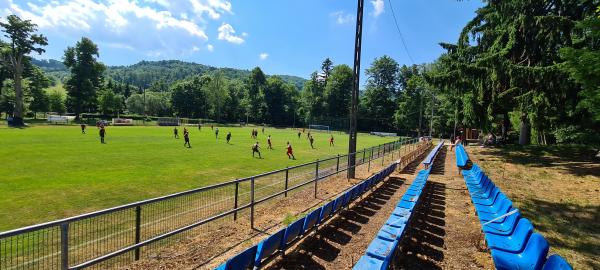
(510, 237)
(258, 255)
(381, 250)
(462, 158)
(429, 159)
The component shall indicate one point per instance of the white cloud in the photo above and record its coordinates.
(195, 49)
(263, 56)
(164, 3)
(210, 47)
(342, 17)
(226, 32)
(244, 34)
(214, 8)
(377, 7)
(151, 27)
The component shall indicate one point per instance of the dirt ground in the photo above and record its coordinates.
(445, 233)
(210, 245)
(558, 192)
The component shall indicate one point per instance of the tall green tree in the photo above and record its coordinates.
(188, 97)
(327, 67)
(109, 103)
(217, 95)
(378, 98)
(86, 76)
(312, 99)
(21, 42)
(255, 96)
(338, 91)
(38, 82)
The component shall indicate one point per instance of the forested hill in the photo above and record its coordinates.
(145, 73)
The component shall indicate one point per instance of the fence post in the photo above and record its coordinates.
(316, 177)
(383, 156)
(138, 228)
(235, 200)
(287, 173)
(337, 165)
(364, 153)
(371, 157)
(64, 246)
(252, 203)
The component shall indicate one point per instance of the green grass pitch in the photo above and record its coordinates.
(52, 172)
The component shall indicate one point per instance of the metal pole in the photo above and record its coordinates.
(420, 111)
(337, 165)
(252, 202)
(316, 177)
(287, 174)
(64, 246)
(383, 156)
(355, 85)
(431, 120)
(364, 153)
(138, 233)
(370, 158)
(235, 201)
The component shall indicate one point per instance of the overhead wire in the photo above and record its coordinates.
(400, 32)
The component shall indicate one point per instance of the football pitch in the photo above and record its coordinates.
(52, 172)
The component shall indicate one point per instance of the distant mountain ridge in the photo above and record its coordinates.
(145, 73)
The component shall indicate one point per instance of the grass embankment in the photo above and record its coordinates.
(52, 172)
(558, 189)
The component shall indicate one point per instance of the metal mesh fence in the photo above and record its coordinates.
(115, 237)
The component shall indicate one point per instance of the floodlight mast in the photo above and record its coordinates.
(355, 85)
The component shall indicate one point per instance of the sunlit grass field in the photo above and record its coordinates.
(52, 172)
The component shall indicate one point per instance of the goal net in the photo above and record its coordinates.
(319, 128)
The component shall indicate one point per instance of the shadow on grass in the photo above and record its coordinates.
(577, 227)
(578, 160)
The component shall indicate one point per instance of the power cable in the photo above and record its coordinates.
(400, 32)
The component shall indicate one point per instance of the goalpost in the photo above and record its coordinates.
(319, 128)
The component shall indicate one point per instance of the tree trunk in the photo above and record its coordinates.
(525, 131)
(505, 126)
(18, 112)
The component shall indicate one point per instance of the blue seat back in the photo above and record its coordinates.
(293, 231)
(311, 220)
(269, 246)
(242, 261)
(326, 211)
(556, 262)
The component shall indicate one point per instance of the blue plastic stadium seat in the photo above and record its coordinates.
(504, 228)
(515, 242)
(556, 262)
(326, 211)
(311, 220)
(292, 232)
(382, 249)
(402, 212)
(497, 217)
(241, 261)
(532, 257)
(406, 205)
(391, 233)
(346, 198)
(500, 201)
(396, 221)
(369, 263)
(337, 203)
(269, 246)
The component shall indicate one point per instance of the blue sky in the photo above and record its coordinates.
(280, 36)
